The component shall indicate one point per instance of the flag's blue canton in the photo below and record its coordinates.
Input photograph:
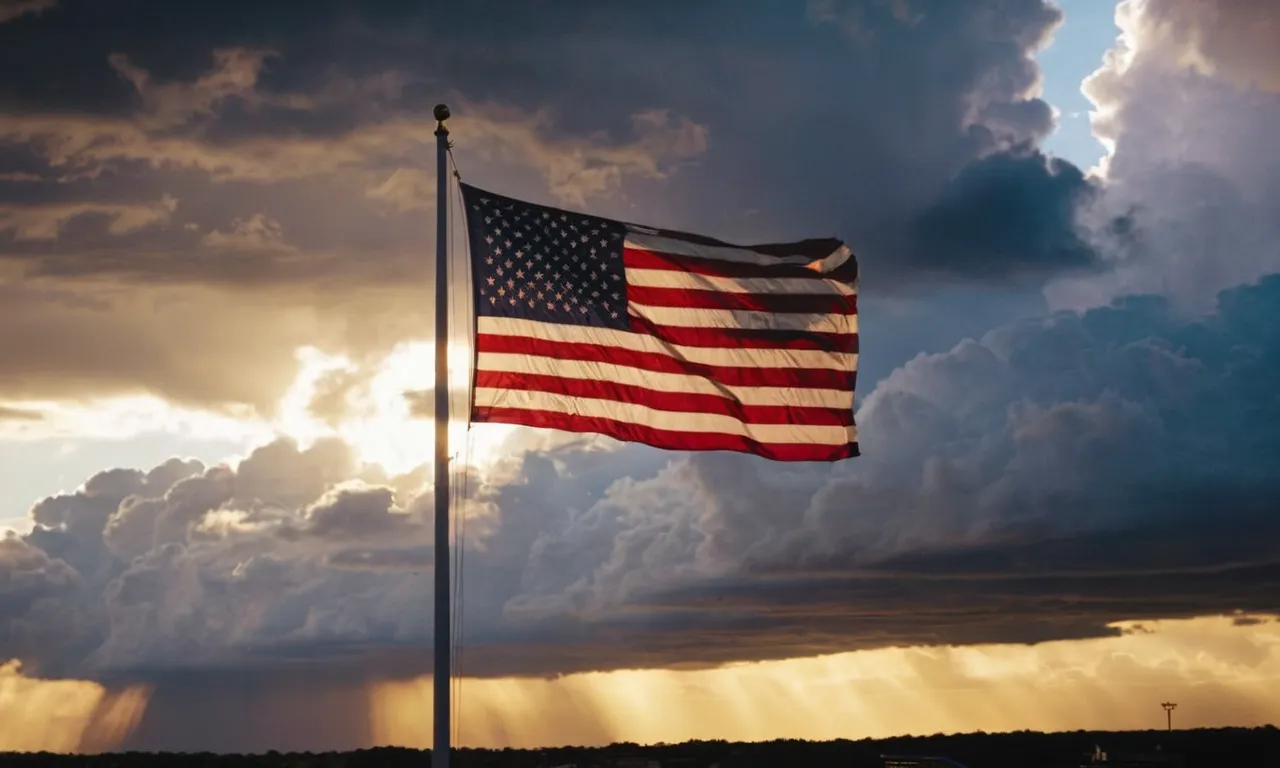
(535, 263)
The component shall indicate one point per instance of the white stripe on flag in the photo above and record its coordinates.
(678, 421)
(537, 365)
(681, 317)
(738, 357)
(670, 278)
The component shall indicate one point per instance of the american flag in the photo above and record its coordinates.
(670, 339)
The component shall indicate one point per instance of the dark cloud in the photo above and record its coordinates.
(873, 109)
(12, 9)
(203, 199)
(1007, 215)
(1025, 589)
(354, 513)
(1043, 482)
(34, 591)
(267, 183)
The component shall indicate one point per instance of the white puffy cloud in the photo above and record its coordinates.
(1233, 40)
(1186, 101)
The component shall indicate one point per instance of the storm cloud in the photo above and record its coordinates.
(274, 171)
(1011, 477)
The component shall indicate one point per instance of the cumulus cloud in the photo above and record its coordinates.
(1188, 118)
(140, 537)
(1010, 474)
(254, 233)
(1236, 40)
(33, 594)
(351, 514)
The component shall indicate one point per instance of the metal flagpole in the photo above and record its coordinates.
(441, 673)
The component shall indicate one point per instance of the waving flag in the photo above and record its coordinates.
(674, 340)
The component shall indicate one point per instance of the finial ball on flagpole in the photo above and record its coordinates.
(441, 113)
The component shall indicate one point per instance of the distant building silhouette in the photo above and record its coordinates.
(912, 761)
(1157, 759)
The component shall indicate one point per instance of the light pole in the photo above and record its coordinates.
(1169, 706)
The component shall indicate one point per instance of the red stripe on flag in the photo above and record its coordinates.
(676, 402)
(806, 378)
(662, 438)
(825, 304)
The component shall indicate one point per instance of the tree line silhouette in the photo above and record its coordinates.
(1200, 748)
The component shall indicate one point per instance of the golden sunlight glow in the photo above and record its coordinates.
(64, 715)
(376, 419)
(379, 424)
(1220, 671)
(124, 417)
(1221, 674)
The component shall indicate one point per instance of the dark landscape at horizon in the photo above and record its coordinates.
(1196, 748)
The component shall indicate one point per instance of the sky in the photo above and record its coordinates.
(1086, 32)
(216, 222)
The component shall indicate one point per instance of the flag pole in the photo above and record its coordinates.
(441, 673)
